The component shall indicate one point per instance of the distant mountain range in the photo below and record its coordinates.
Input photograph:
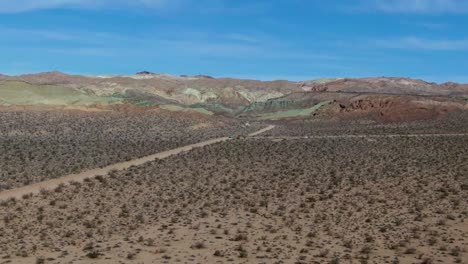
(388, 97)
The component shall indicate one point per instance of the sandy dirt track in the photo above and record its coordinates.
(79, 177)
(364, 136)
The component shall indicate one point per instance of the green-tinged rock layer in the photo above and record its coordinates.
(177, 108)
(22, 93)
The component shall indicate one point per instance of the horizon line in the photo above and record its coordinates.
(234, 76)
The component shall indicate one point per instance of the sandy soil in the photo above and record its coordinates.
(384, 198)
(326, 200)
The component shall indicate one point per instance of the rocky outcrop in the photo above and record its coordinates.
(385, 85)
(144, 73)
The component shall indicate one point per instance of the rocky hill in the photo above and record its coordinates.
(236, 97)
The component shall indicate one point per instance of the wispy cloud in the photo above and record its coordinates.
(415, 43)
(433, 26)
(163, 41)
(243, 38)
(198, 6)
(39, 34)
(416, 6)
(230, 7)
(17, 6)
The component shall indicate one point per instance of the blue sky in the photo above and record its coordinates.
(259, 39)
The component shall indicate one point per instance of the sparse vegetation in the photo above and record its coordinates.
(46, 144)
(329, 200)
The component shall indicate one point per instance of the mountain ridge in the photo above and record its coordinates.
(229, 96)
(154, 74)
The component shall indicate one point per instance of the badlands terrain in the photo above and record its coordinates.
(370, 170)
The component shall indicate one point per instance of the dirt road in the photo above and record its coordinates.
(262, 131)
(53, 183)
(362, 136)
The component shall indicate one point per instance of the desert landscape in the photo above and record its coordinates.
(154, 168)
(43, 144)
(233, 131)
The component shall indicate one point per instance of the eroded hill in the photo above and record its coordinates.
(379, 98)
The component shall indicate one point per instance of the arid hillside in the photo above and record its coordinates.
(392, 98)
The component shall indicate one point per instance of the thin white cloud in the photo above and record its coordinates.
(40, 34)
(243, 38)
(198, 6)
(415, 43)
(417, 6)
(17, 6)
(433, 26)
(180, 41)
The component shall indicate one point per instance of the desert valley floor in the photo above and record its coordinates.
(306, 191)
